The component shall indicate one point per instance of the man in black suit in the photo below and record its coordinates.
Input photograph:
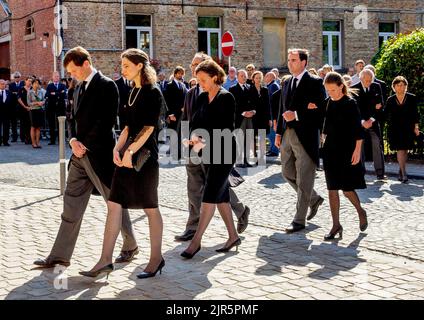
(55, 104)
(124, 89)
(162, 83)
(196, 175)
(6, 106)
(370, 103)
(298, 124)
(96, 101)
(174, 96)
(245, 113)
(14, 88)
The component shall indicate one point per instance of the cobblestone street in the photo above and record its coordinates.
(385, 262)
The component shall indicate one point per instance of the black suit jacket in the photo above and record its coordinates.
(94, 115)
(6, 107)
(14, 91)
(56, 97)
(243, 102)
(260, 102)
(174, 97)
(367, 102)
(309, 90)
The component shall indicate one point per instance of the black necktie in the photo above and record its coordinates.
(82, 89)
(293, 88)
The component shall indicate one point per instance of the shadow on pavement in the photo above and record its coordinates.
(272, 181)
(180, 279)
(281, 251)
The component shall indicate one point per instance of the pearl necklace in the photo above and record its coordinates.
(129, 98)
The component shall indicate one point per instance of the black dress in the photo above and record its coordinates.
(132, 189)
(342, 128)
(219, 114)
(401, 119)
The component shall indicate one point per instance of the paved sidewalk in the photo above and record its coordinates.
(385, 262)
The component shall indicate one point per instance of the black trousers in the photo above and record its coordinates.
(52, 114)
(13, 118)
(4, 128)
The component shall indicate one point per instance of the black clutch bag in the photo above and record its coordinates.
(235, 179)
(139, 158)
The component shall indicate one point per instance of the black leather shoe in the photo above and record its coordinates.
(47, 263)
(243, 222)
(234, 244)
(314, 208)
(187, 235)
(382, 177)
(145, 274)
(271, 154)
(6, 144)
(127, 256)
(332, 235)
(51, 143)
(188, 255)
(294, 227)
(94, 274)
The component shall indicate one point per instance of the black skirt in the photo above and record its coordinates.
(217, 184)
(37, 118)
(136, 190)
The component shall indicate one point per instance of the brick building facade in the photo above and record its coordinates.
(335, 32)
(32, 28)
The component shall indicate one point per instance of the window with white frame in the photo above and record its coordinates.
(139, 33)
(385, 31)
(209, 36)
(332, 43)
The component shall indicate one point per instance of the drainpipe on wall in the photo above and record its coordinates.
(122, 25)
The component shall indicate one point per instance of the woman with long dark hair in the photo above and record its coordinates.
(130, 188)
(342, 151)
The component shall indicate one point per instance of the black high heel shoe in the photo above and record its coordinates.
(145, 274)
(332, 235)
(364, 226)
(94, 274)
(234, 244)
(188, 255)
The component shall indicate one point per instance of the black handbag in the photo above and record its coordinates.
(139, 158)
(235, 179)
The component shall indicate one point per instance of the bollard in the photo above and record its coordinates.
(62, 159)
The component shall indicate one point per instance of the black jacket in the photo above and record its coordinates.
(56, 97)
(93, 118)
(243, 102)
(367, 102)
(260, 102)
(309, 90)
(174, 97)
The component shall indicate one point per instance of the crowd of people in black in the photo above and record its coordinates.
(306, 113)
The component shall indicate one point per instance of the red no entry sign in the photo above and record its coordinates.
(227, 44)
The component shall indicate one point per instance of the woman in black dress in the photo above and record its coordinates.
(260, 100)
(131, 189)
(403, 122)
(215, 111)
(342, 151)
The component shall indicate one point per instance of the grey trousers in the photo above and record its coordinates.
(80, 183)
(299, 171)
(377, 152)
(196, 178)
